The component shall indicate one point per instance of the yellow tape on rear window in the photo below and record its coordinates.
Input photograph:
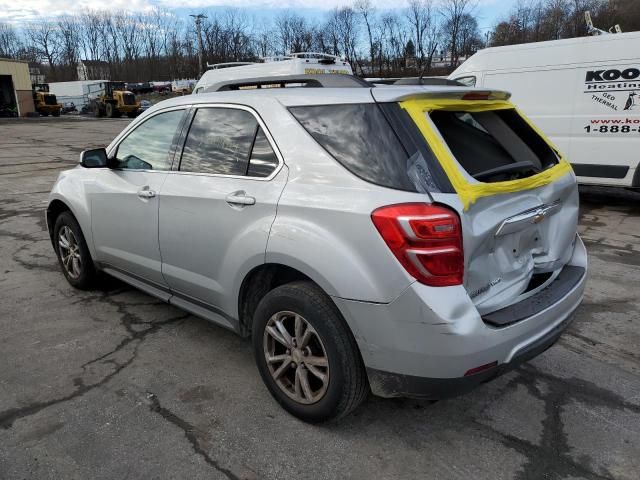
(467, 191)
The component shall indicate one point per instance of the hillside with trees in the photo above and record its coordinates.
(540, 20)
(427, 36)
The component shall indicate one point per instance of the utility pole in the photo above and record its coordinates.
(198, 19)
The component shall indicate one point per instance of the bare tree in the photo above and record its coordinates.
(9, 43)
(69, 39)
(419, 17)
(394, 36)
(344, 26)
(367, 12)
(44, 38)
(263, 38)
(293, 32)
(538, 20)
(157, 44)
(453, 12)
(91, 30)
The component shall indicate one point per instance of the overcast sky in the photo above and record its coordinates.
(488, 11)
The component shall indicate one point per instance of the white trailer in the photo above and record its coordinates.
(584, 93)
(79, 92)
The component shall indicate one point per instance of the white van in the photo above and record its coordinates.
(584, 93)
(293, 64)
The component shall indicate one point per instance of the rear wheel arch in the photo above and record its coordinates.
(256, 284)
(263, 279)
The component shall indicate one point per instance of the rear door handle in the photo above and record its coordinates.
(240, 198)
(146, 193)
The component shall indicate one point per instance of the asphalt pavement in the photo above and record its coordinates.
(113, 384)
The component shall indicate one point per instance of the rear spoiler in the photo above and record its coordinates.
(399, 94)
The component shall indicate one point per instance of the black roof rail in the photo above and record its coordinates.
(428, 81)
(321, 80)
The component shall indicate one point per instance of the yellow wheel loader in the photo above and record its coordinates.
(44, 102)
(114, 101)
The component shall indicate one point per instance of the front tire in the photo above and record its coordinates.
(306, 354)
(111, 111)
(72, 252)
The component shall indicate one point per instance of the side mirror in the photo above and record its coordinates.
(95, 158)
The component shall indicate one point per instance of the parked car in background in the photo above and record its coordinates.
(139, 87)
(581, 92)
(69, 107)
(409, 241)
(183, 87)
(144, 105)
(161, 87)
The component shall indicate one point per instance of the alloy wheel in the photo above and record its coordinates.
(296, 357)
(69, 252)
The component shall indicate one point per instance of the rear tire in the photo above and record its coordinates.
(56, 113)
(132, 114)
(72, 252)
(297, 381)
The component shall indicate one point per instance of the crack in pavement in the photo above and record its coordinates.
(189, 432)
(8, 417)
(551, 458)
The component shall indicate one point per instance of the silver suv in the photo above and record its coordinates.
(408, 241)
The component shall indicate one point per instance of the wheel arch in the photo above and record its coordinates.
(59, 204)
(261, 280)
(256, 284)
(54, 209)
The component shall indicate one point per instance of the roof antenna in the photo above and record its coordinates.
(424, 65)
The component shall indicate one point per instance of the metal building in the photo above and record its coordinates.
(15, 88)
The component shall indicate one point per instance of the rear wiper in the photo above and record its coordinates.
(512, 167)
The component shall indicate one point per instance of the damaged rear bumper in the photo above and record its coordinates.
(424, 343)
(388, 384)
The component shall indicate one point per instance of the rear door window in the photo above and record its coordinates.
(263, 160)
(360, 138)
(495, 145)
(219, 141)
(227, 141)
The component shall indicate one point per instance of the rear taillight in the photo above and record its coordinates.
(426, 239)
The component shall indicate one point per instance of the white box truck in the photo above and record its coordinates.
(584, 93)
(293, 64)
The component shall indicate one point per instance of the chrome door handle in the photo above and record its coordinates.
(240, 198)
(146, 193)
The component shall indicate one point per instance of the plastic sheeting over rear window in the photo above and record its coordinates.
(361, 139)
